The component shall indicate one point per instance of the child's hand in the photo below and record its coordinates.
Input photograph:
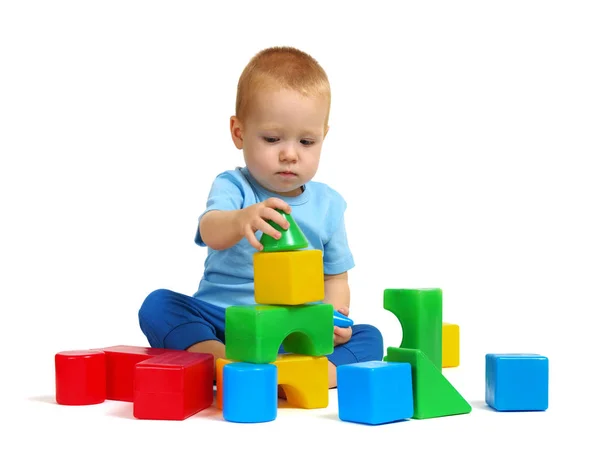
(341, 335)
(344, 310)
(256, 218)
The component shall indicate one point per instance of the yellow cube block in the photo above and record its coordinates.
(450, 345)
(304, 380)
(289, 278)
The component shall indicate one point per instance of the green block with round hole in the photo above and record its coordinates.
(419, 312)
(254, 333)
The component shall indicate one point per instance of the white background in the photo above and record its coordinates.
(464, 136)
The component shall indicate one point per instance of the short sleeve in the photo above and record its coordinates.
(337, 257)
(225, 194)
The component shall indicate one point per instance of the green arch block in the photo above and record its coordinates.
(254, 333)
(419, 312)
(433, 394)
(291, 239)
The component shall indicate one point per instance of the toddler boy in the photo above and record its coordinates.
(280, 123)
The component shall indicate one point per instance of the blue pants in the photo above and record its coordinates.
(175, 321)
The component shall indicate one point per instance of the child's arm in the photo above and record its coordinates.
(337, 291)
(221, 229)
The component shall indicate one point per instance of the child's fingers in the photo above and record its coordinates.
(276, 203)
(344, 310)
(273, 215)
(342, 332)
(266, 228)
(252, 240)
(343, 336)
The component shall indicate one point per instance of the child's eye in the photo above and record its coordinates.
(270, 139)
(307, 142)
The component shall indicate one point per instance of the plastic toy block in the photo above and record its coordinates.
(516, 382)
(249, 392)
(173, 386)
(375, 392)
(289, 278)
(120, 369)
(291, 239)
(80, 377)
(433, 394)
(341, 320)
(220, 364)
(304, 379)
(450, 345)
(254, 333)
(419, 312)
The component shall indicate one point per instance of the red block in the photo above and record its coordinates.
(80, 377)
(173, 386)
(120, 369)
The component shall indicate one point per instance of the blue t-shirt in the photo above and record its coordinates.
(319, 212)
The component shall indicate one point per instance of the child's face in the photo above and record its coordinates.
(282, 137)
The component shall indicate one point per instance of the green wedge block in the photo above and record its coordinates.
(433, 395)
(254, 333)
(291, 239)
(419, 312)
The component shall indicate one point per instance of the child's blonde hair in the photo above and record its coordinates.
(281, 67)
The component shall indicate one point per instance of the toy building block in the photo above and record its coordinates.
(291, 239)
(433, 394)
(516, 382)
(341, 320)
(220, 364)
(304, 379)
(120, 369)
(254, 333)
(288, 278)
(374, 392)
(80, 377)
(419, 312)
(450, 345)
(173, 386)
(249, 392)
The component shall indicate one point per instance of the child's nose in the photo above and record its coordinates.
(288, 153)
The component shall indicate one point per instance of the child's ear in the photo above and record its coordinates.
(235, 126)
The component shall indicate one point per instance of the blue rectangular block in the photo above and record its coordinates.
(375, 392)
(516, 382)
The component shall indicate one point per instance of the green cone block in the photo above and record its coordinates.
(291, 239)
(433, 394)
(419, 312)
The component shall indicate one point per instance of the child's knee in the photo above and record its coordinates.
(154, 305)
(373, 341)
(152, 314)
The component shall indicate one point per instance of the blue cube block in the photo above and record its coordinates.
(516, 382)
(249, 392)
(375, 392)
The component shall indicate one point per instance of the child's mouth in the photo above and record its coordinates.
(286, 174)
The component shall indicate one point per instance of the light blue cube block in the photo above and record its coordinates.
(516, 382)
(249, 392)
(375, 392)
